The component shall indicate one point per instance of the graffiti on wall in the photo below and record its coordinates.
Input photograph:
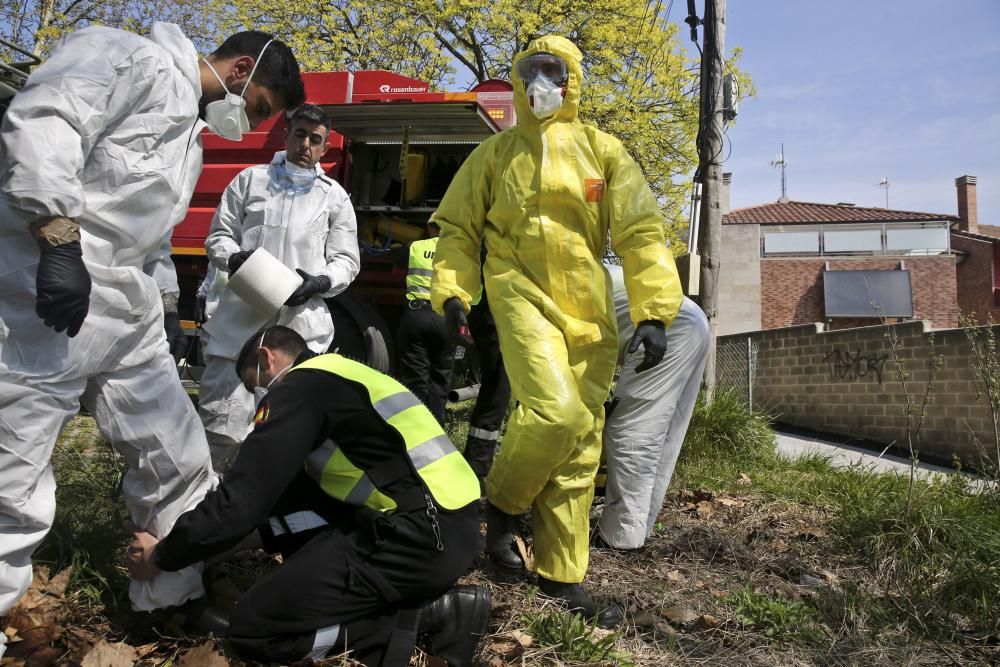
(857, 365)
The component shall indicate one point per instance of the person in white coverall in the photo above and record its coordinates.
(291, 209)
(99, 154)
(645, 429)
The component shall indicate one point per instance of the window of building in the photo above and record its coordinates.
(913, 238)
(791, 240)
(852, 240)
(926, 239)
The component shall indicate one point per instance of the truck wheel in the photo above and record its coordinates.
(361, 333)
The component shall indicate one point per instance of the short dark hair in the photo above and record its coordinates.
(274, 338)
(277, 69)
(312, 114)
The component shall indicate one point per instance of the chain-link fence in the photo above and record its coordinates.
(736, 366)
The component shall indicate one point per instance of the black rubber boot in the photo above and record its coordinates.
(451, 626)
(195, 617)
(500, 538)
(578, 602)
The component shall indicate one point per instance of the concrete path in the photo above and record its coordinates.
(843, 455)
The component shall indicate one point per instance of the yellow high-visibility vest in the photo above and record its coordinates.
(420, 269)
(443, 469)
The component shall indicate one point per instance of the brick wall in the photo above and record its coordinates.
(846, 382)
(975, 278)
(792, 289)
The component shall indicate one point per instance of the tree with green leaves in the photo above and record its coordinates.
(641, 84)
(36, 25)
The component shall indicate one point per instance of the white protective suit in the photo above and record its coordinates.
(645, 431)
(105, 132)
(312, 229)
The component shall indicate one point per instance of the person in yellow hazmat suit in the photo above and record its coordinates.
(543, 196)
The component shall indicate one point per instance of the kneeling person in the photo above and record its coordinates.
(351, 478)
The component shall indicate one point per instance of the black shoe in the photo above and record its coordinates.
(598, 542)
(500, 538)
(451, 626)
(579, 603)
(195, 617)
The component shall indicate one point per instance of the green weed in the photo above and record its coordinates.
(780, 620)
(86, 532)
(573, 639)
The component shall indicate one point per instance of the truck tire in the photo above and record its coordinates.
(360, 332)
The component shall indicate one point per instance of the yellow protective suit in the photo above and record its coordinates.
(543, 196)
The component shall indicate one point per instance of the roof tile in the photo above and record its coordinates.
(797, 213)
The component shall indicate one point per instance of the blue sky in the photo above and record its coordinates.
(861, 89)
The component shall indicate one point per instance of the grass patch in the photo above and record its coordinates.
(573, 639)
(723, 441)
(86, 532)
(935, 557)
(776, 618)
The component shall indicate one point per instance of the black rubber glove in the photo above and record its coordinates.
(62, 284)
(310, 285)
(200, 305)
(176, 337)
(236, 260)
(654, 343)
(458, 323)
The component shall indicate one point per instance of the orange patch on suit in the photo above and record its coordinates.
(262, 414)
(594, 188)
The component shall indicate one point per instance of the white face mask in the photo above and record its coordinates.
(545, 96)
(228, 117)
(260, 392)
(301, 178)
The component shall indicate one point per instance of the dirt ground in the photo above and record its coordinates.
(677, 593)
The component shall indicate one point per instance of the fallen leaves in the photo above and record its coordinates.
(679, 615)
(35, 622)
(203, 655)
(704, 504)
(526, 552)
(509, 646)
(103, 654)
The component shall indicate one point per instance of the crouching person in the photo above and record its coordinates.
(352, 479)
(644, 432)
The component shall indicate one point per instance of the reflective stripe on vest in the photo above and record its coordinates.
(421, 269)
(442, 468)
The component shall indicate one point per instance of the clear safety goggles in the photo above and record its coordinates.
(547, 65)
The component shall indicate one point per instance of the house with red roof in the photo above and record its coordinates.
(789, 263)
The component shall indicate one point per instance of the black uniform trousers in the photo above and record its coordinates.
(426, 355)
(369, 575)
(494, 391)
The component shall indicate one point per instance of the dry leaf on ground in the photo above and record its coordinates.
(203, 655)
(35, 621)
(679, 614)
(104, 654)
(526, 552)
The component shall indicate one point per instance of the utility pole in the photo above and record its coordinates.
(710, 157)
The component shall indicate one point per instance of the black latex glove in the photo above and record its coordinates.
(63, 287)
(236, 260)
(310, 285)
(458, 323)
(654, 343)
(200, 305)
(176, 338)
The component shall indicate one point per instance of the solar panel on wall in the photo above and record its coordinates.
(867, 293)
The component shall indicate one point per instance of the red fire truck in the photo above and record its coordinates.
(395, 146)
